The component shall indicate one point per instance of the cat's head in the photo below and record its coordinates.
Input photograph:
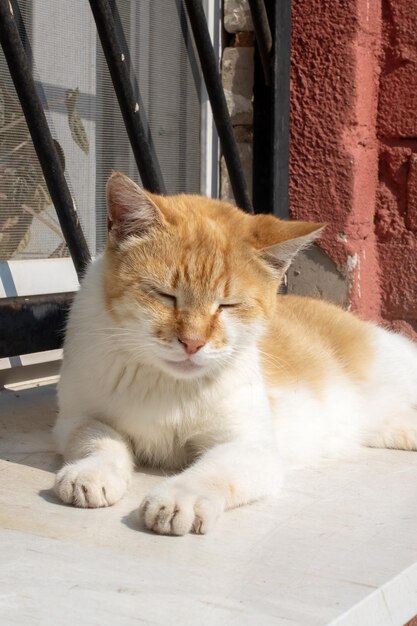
(189, 281)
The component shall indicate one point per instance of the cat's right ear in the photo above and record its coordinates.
(130, 210)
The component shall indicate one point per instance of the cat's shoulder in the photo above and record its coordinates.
(318, 338)
(318, 317)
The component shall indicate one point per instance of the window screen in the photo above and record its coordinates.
(83, 114)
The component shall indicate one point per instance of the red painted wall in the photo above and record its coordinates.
(354, 146)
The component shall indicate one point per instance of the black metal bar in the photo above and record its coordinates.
(119, 71)
(21, 27)
(281, 105)
(263, 35)
(138, 98)
(271, 118)
(42, 139)
(262, 141)
(215, 91)
(33, 324)
(189, 45)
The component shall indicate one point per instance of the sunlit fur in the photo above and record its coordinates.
(275, 377)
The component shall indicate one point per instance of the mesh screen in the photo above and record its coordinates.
(83, 114)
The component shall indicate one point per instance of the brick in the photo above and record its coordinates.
(237, 16)
(394, 163)
(243, 134)
(237, 78)
(411, 211)
(243, 40)
(399, 277)
(398, 83)
(398, 103)
(245, 153)
(396, 203)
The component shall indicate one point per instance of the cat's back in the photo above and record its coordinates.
(311, 340)
(333, 379)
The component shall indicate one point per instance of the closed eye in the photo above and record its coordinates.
(166, 297)
(228, 305)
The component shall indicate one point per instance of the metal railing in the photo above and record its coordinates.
(43, 143)
(117, 61)
(271, 106)
(271, 21)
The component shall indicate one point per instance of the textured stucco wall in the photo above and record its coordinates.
(396, 207)
(354, 149)
(334, 148)
(353, 155)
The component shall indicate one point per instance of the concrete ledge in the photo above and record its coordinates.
(337, 548)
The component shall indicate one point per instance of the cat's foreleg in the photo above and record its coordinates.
(226, 476)
(98, 465)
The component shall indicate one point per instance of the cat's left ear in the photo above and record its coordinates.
(279, 241)
(131, 210)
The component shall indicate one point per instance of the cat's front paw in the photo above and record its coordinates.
(177, 510)
(90, 485)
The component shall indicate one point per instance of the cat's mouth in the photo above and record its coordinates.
(186, 365)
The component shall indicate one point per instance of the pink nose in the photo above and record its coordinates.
(191, 346)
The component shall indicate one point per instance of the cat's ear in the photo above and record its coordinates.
(279, 241)
(130, 209)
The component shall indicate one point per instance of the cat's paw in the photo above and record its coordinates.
(176, 510)
(90, 485)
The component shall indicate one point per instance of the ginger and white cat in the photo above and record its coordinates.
(179, 354)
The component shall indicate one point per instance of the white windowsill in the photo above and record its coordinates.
(339, 547)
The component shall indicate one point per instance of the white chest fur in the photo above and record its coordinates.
(168, 421)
